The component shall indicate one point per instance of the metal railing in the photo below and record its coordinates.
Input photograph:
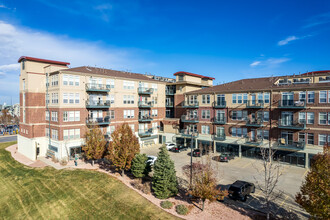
(97, 104)
(169, 92)
(299, 145)
(255, 104)
(254, 141)
(258, 122)
(219, 120)
(190, 104)
(144, 104)
(143, 118)
(143, 90)
(187, 132)
(292, 104)
(98, 121)
(295, 124)
(145, 132)
(219, 137)
(169, 104)
(97, 87)
(221, 104)
(188, 118)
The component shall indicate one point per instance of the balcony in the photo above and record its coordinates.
(219, 120)
(222, 104)
(97, 104)
(254, 141)
(188, 132)
(255, 122)
(145, 133)
(146, 118)
(219, 137)
(145, 91)
(254, 104)
(143, 104)
(92, 87)
(187, 104)
(295, 125)
(98, 121)
(169, 104)
(169, 92)
(291, 104)
(291, 145)
(188, 119)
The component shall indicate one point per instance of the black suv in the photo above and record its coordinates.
(178, 149)
(225, 157)
(197, 152)
(240, 190)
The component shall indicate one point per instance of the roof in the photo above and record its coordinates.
(316, 72)
(256, 84)
(193, 74)
(42, 60)
(108, 72)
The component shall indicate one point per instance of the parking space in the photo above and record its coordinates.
(246, 169)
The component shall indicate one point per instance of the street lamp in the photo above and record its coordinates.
(193, 135)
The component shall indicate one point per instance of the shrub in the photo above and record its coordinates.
(181, 209)
(145, 187)
(166, 204)
(140, 168)
(63, 162)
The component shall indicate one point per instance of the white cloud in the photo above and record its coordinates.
(287, 40)
(273, 61)
(255, 63)
(14, 66)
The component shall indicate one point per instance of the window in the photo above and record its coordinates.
(266, 116)
(154, 100)
(54, 116)
(323, 118)
(239, 98)
(112, 114)
(54, 80)
(112, 98)
(310, 97)
(154, 87)
(239, 115)
(132, 127)
(110, 83)
(65, 116)
(239, 132)
(71, 134)
(71, 98)
(266, 134)
(54, 98)
(329, 96)
(54, 134)
(128, 113)
(154, 112)
(323, 96)
(71, 116)
(310, 117)
(301, 137)
(128, 99)
(180, 78)
(266, 97)
(322, 139)
(234, 98)
(128, 85)
(206, 114)
(76, 80)
(47, 115)
(206, 99)
(65, 134)
(47, 132)
(302, 117)
(77, 133)
(245, 98)
(65, 98)
(154, 125)
(260, 98)
(302, 96)
(71, 80)
(47, 98)
(310, 138)
(77, 115)
(77, 98)
(65, 80)
(205, 129)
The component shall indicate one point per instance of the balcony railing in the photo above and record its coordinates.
(296, 125)
(143, 104)
(145, 91)
(221, 104)
(219, 137)
(188, 132)
(145, 133)
(292, 104)
(98, 121)
(290, 144)
(145, 118)
(169, 104)
(254, 104)
(189, 119)
(92, 87)
(219, 120)
(188, 104)
(97, 104)
(169, 92)
(255, 122)
(254, 141)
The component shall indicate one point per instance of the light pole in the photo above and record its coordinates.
(191, 154)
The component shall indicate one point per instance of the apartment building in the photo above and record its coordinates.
(59, 104)
(289, 113)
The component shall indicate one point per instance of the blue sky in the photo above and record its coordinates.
(228, 40)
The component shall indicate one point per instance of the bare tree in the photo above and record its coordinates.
(269, 174)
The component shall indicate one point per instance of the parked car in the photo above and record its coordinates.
(197, 153)
(178, 149)
(225, 157)
(170, 145)
(241, 190)
(151, 160)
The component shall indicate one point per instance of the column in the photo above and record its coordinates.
(214, 147)
(240, 151)
(306, 161)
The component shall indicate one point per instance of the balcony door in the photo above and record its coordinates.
(287, 118)
(220, 132)
(220, 99)
(193, 114)
(220, 115)
(287, 98)
(193, 99)
(253, 99)
(287, 136)
(253, 135)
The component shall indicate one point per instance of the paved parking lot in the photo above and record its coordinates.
(246, 169)
(8, 138)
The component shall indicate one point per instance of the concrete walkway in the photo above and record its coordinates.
(81, 164)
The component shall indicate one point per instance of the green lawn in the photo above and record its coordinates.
(47, 193)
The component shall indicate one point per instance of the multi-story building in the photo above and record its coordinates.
(289, 113)
(58, 104)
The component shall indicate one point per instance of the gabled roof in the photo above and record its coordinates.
(316, 72)
(108, 72)
(193, 74)
(42, 60)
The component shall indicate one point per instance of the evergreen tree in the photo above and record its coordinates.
(140, 168)
(164, 181)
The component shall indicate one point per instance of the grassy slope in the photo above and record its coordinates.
(70, 194)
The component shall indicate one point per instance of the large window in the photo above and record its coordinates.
(234, 98)
(239, 132)
(71, 134)
(310, 117)
(322, 139)
(128, 113)
(110, 83)
(310, 138)
(128, 99)
(71, 80)
(129, 85)
(206, 114)
(47, 115)
(302, 117)
(154, 112)
(205, 129)
(71, 116)
(302, 96)
(239, 115)
(54, 134)
(323, 96)
(266, 97)
(54, 116)
(206, 99)
(54, 98)
(311, 97)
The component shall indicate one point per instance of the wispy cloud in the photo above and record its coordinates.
(317, 20)
(270, 62)
(287, 40)
(255, 63)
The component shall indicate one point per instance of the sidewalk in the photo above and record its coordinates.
(70, 164)
(12, 135)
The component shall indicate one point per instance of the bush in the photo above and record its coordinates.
(181, 209)
(140, 168)
(166, 204)
(145, 187)
(63, 162)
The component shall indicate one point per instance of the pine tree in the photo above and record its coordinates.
(164, 181)
(95, 144)
(123, 148)
(140, 168)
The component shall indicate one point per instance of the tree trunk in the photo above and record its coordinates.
(203, 204)
(92, 162)
(122, 172)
